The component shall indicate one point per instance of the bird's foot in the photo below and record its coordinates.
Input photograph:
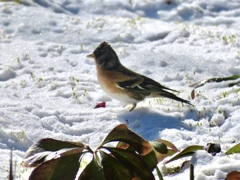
(133, 106)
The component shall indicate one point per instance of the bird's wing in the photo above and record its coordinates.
(151, 85)
(137, 81)
(131, 78)
(132, 83)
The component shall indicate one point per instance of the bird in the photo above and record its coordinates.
(123, 84)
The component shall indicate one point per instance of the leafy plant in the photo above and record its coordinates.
(132, 158)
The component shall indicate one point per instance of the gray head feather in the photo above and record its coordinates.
(105, 56)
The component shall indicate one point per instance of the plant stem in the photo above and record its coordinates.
(191, 171)
(159, 173)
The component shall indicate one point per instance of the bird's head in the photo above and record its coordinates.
(105, 56)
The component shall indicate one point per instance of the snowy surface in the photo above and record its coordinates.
(48, 87)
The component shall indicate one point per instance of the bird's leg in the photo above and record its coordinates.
(134, 105)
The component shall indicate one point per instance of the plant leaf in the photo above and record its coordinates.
(171, 149)
(233, 84)
(203, 82)
(168, 144)
(122, 145)
(234, 149)
(92, 171)
(64, 167)
(151, 160)
(38, 152)
(159, 147)
(134, 162)
(122, 133)
(35, 159)
(113, 169)
(189, 151)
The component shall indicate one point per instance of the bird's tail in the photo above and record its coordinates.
(173, 96)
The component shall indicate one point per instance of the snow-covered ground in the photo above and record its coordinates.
(48, 88)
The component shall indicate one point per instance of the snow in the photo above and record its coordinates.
(49, 88)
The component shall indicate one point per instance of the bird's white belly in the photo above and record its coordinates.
(119, 96)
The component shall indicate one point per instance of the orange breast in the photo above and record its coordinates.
(108, 80)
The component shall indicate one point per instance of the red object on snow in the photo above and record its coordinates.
(100, 105)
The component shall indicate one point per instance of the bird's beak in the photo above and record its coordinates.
(90, 56)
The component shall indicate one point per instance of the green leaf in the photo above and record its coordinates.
(122, 133)
(113, 169)
(65, 166)
(151, 160)
(234, 149)
(160, 151)
(38, 152)
(134, 162)
(159, 147)
(189, 151)
(168, 144)
(92, 171)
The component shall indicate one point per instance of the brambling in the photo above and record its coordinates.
(124, 84)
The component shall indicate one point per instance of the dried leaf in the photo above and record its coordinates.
(193, 94)
(234, 175)
(203, 82)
